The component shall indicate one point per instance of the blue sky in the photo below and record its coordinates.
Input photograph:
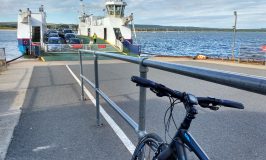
(199, 13)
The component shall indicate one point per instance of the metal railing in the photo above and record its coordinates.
(240, 81)
(2, 57)
(74, 48)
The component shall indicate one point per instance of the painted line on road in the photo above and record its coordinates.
(119, 132)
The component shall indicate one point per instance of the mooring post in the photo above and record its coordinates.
(81, 78)
(96, 89)
(142, 100)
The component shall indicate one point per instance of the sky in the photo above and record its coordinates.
(198, 13)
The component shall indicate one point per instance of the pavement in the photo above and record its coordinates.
(43, 101)
(13, 86)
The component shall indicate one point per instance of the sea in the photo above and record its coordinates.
(213, 44)
(8, 40)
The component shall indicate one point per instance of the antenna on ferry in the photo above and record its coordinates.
(82, 7)
(133, 27)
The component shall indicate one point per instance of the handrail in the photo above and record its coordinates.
(241, 81)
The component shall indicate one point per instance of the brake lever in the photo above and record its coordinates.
(211, 106)
(159, 94)
(214, 108)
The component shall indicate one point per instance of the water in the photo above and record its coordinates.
(217, 44)
(8, 40)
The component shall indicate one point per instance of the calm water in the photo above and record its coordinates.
(176, 43)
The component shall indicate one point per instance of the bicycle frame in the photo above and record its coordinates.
(185, 138)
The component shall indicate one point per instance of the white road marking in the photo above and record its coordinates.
(42, 148)
(119, 132)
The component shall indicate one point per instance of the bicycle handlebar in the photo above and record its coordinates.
(205, 102)
(160, 89)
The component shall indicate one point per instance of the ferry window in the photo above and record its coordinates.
(118, 10)
(122, 12)
(110, 9)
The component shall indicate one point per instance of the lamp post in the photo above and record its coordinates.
(234, 38)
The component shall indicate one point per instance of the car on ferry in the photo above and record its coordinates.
(68, 36)
(53, 35)
(75, 43)
(54, 44)
(65, 31)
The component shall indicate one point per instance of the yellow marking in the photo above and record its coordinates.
(42, 59)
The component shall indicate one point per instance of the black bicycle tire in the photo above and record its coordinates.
(152, 140)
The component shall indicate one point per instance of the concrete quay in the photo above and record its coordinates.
(42, 116)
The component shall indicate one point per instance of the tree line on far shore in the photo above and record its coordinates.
(140, 28)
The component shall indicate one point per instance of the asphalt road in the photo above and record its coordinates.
(224, 134)
(55, 125)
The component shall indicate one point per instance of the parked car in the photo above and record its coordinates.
(75, 43)
(53, 35)
(68, 36)
(54, 44)
(46, 35)
(55, 40)
(65, 31)
(61, 33)
(50, 31)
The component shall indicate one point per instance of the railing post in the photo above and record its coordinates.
(96, 89)
(5, 57)
(142, 100)
(81, 74)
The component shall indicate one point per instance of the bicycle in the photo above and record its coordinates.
(176, 150)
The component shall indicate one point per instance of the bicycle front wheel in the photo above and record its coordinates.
(147, 147)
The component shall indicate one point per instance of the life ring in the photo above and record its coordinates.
(25, 42)
(263, 48)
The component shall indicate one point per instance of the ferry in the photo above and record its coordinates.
(113, 27)
(113, 30)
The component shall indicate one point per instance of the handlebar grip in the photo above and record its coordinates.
(143, 82)
(232, 104)
(206, 101)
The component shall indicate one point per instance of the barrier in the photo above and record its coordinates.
(74, 48)
(240, 81)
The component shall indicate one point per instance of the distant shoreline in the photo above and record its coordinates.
(8, 29)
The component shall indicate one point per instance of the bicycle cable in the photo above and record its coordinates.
(167, 121)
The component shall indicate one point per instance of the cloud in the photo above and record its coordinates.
(203, 13)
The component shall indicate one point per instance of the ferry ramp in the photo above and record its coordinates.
(55, 124)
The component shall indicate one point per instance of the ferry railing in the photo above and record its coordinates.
(119, 44)
(3, 56)
(236, 80)
(74, 48)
